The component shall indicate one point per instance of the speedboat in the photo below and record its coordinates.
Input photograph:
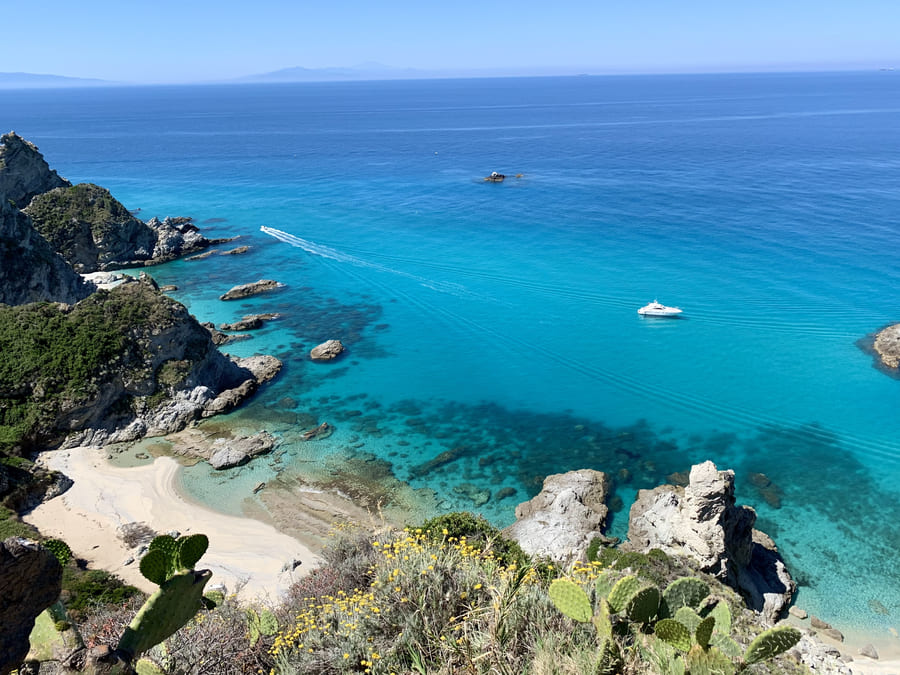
(656, 308)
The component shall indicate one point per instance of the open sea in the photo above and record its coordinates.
(496, 323)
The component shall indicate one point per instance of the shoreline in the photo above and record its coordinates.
(245, 554)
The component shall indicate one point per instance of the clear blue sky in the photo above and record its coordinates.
(199, 40)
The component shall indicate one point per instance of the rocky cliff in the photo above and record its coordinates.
(93, 231)
(30, 270)
(23, 171)
(119, 365)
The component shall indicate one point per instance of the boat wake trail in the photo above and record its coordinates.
(333, 254)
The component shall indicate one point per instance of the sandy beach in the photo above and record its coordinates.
(243, 553)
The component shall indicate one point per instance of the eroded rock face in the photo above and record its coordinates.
(30, 581)
(23, 171)
(327, 350)
(702, 522)
(30, 270)
(564, 517)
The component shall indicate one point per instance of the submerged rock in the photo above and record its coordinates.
(327, 350)
(562, 520)
(702, 522)
(246, 290)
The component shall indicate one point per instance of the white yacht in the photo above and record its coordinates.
(656, 308)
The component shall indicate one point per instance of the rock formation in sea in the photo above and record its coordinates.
(326, 351)
(887, 345)
(30, 581)
(94, 231)
(246, 290)
(702, 522)
(562, 520)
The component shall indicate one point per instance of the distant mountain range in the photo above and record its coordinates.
(35, 81)
(365, 71)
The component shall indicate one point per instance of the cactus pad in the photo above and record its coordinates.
(643, 605)
(723, 617)
(621, 593)
(674, 633)
(771, 643)
(604, 584)
(164, 612)
(688, 617)
(191, 549)
(726, 645)
(148, 667)
(704, 631)
(571, 600)
(155, 566)
(684, 592)
(710, 661)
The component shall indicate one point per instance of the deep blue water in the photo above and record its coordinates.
(499, 321)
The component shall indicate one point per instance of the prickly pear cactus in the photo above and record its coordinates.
(59, 549)
(611, 662)
(148, 667)
(674, 633)
(704, 631)
(603, 585)
(771, 643)
(621, 593)
(155, 566)
(643, 605)
(710, 661)
(191, 549)
(261, 623)
(688, 617)
(726, 645)
(571, 600)
(164, 612)
(684, 592)
(722, 615)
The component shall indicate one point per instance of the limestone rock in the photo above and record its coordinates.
(262, 367)
(246, 290)
(797, 612)
(564, 517)
(30, 581)
(327, 350)
(869, 651)
(702, 522)
(236, 251)
(234, 452)
(887, 345)
(250, 322)
(24, 172)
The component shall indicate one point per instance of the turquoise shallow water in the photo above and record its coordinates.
(498, 321)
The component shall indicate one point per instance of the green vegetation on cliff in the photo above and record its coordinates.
(59, 361)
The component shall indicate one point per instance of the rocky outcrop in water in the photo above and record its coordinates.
(887, 346)
(246, 290)
(30, 270)
(562, 520)
(235, 452)
(23, 171)
(94, 231)
(327, 351)
(30, 581)
(702, 522)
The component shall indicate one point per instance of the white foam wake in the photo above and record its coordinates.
(334, 254)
